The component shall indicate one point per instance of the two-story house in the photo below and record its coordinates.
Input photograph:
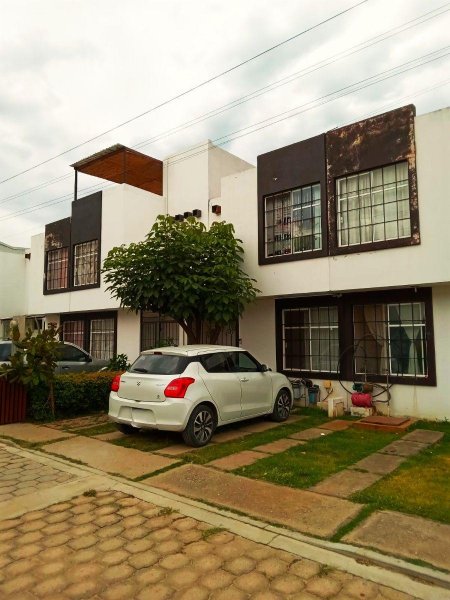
(350, 248)
(64, 284)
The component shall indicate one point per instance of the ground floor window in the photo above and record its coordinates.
(157, 330)
(94, 332)
(375, 336)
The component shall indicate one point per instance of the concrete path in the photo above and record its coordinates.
(298, 509)
(405, 535)
(124, 540)
(28, 432)
(107, 457)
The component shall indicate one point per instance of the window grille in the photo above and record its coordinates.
(102, 338)
(390, 339)
(293, 221)
(310, 339)
(57, 269)
(374, 206)
(85, 263)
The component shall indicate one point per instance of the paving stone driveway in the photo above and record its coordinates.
(116, 547)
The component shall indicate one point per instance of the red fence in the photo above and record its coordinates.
(13, 402)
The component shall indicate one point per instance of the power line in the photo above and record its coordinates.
(190, 90)
(394, 71)
(259, 92)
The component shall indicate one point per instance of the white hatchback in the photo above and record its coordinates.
(194, 389)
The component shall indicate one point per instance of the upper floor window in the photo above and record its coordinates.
(373, 206)
(57, 269)
(85, 270)
(293, 221)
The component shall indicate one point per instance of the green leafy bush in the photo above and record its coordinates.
(75, 394)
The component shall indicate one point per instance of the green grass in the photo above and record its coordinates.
(310, 418)
(148, 441)
(95, 429)
(304, 466)
(421, 485)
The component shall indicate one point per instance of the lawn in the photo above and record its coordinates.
(311, 417)
(421, 486)
(304, 466)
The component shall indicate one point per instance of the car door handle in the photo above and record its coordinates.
(244, 378)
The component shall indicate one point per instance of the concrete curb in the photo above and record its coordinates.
(421, 582)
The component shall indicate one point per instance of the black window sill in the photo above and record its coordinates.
(293, 256)
(71, 289)
(381, 379)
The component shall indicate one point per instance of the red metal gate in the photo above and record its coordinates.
(13, 402)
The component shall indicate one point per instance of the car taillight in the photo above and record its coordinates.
(115, 385)
(177, 387)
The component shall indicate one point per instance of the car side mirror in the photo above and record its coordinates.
(265, 368)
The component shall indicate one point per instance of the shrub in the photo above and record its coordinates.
(75, 394)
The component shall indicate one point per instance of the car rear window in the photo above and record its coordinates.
(5, 351)
(160, 364)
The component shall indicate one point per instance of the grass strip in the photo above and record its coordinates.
(420, 486)
(304, 466)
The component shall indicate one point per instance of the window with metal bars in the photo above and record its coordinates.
(310, 339)
(373, 206)
(57, 269)
(94, 332)
(374, 336)
(390, 339)
(85, 264)
(293, 221)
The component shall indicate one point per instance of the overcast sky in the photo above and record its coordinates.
(72, 69)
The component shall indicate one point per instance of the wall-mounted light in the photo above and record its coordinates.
(216, 209)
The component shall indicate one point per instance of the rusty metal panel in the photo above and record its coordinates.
(381, 140)
(57, 234)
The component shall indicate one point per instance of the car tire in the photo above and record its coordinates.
(282, 406)
(200, 427)
(127, 429)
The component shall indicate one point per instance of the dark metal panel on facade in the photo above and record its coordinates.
(369, 144)
(291, 167)
(57, 234)
(87, 218)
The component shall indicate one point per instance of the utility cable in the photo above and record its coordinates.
(263, 124)
(188, 91)
(261, 91)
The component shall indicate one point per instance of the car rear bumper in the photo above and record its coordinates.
(170, 415)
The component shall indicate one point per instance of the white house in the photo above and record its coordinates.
(13, 262)
(63, 278)
(346, 234)
(350, 248)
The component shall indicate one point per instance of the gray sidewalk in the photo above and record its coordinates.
(130, 540)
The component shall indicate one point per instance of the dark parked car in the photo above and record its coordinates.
(72, 359)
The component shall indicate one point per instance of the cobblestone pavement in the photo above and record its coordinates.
(113, 546)
(20, 476)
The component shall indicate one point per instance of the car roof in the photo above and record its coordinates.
(193, 349)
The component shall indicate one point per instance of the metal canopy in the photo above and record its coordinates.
(124, 165)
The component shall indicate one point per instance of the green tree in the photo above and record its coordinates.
(34, 363)
(185, 271)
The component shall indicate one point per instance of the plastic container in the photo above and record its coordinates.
(313, 394)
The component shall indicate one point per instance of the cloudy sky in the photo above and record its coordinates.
(71, 70)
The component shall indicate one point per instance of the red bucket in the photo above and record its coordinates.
(363, 400)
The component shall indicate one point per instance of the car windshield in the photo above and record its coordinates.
(160, 364)
(5, 351)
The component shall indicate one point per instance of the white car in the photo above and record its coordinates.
(194, 389)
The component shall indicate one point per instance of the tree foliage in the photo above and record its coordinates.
(185, 271)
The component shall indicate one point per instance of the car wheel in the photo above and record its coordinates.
(128, 429)
(282, 406)
(200, 427)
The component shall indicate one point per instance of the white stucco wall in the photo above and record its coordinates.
(424, 264)
(12, 281)
(128, 334)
